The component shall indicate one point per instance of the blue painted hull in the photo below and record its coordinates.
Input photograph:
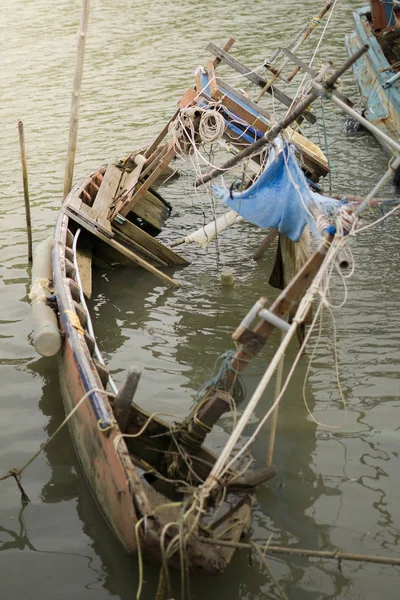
(372, 72)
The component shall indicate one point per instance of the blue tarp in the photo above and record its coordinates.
(279, 198)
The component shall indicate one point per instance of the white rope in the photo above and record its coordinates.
(211, 126)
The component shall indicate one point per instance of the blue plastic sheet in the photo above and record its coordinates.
(279, 198)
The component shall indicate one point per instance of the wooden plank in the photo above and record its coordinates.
(90, 215)
(188, 98)
(212, 78)
(226, 48)
(148, 212)
(247, 116)
(84, 260)
(225, 87)
(147, 241)
(249, 74)
(120, 248)
(128, 242)
(106, 193)
(151, 179)
(153, 160)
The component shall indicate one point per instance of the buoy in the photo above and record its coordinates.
(46, 334)
(227, 277)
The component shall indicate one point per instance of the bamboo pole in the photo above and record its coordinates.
(76, 93)
(298, 110)
(274, 416)
(265, 244)
(26, 187)
(333, 554)
(310, 28)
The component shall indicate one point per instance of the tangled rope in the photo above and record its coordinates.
(211, 126)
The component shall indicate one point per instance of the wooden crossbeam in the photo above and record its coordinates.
(307, 69)
(253, 77)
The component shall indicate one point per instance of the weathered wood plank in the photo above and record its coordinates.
(147, 241)
(127, 189)
(129, 243)
(226, 48)
(151, 179)
(120, 248)
(106, 193)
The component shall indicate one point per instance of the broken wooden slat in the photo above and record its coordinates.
(212, 78)
(89, 215)
(152, 210)
(147, 241)
(119, 247)
(152, 161)
(239, 110)
(129, 243)
(128, 186)
(150, 180)
(106, 194)
(225, 87)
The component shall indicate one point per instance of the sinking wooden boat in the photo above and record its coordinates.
(143, 471)
(132, 478)
(377, 73)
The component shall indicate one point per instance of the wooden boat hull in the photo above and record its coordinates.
(372, 71)
(136, 512)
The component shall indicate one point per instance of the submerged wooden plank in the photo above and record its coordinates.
(129, 243)
(147, 241)
(150, 180)
(120, 248)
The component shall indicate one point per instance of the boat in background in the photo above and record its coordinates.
(377, 72)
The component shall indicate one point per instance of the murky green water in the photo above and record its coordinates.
(336, 487)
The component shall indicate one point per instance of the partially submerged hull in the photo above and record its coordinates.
(372, 73)
(134, 509)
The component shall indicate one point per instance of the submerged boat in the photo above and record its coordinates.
(144, 472)
(377, 73)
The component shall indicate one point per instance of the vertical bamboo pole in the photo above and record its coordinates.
(310, 28)
(26, 187)
(274, 416)
(76, 93)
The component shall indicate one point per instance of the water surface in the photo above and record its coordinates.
(336, 488)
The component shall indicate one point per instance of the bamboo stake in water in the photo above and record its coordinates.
(26, 187)
(309, 29)
(76, 93)
(274, 416)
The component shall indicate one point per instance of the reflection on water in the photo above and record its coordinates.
(336, 488)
